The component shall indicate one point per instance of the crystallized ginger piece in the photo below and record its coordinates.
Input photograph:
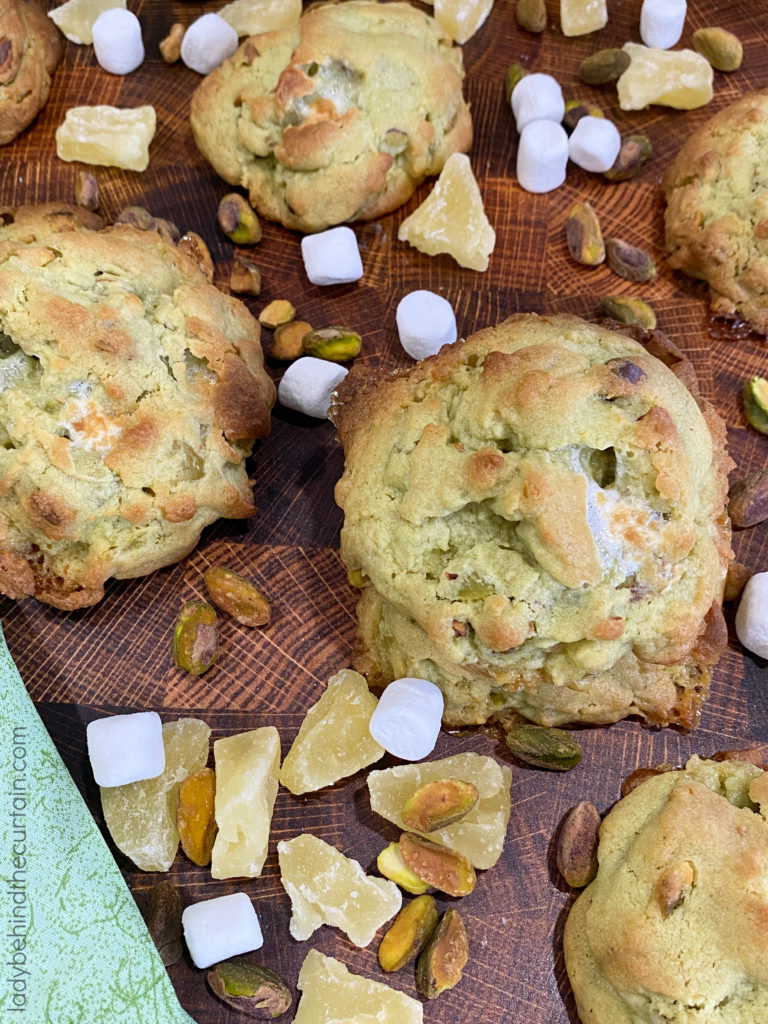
(577, 17)
(452, 218)
(480, 835)
(670, 78)
(250, 17)
(326, 887)
(460, 19)
(246, 786)
(141, 816)
(333, 741)
(107, 136)
(331, 994)
(76, 17)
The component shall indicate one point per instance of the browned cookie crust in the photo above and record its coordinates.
(536, 517)
(337, 118)
(30, 47)
(716, 219)
(131, 391)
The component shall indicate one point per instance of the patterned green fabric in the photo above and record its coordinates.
(73, 945)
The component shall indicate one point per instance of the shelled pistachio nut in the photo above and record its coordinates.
(543, 747)
(337, 344)
(441, 964)
(196, 637)
(408, 934)
(249, 987)
(583, 235)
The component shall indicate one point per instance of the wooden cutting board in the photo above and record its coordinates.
(117, 655)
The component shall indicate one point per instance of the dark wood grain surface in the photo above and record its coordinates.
(117, 655)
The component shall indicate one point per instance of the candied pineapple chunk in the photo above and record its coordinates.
(331, 994)
(460, 19)
(141, 816)
(250, 17)
(246, 786)
(333, 741)
(76, 17)
(577, 17)
(670, 78)
(107, 136)
(326, 887)
(479, 835)
(452, 218)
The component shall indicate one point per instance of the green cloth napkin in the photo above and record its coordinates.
(73, 946)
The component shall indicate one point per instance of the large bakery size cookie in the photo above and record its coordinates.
(536, 517)
(30, 47)
(716, 219)
(673, 928)
(131, 391)
(337, 118)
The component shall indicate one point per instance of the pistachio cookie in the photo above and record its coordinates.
(716, 219)
(338, 117)
(673, 926)
(131, 391)
(30, 48)
(536, 518)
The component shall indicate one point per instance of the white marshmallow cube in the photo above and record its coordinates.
(217, 929)
(594, 143)
(207, 42)
(332, 257)
(307, 386)
(126, 748)
(661, 22)
(117, 41)
(425, 322)
(542, 156)
(537, 97)
(752, 615)
(406, 721)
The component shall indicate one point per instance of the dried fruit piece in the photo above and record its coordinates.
(641, 775)
(107, 136)
(326, 887)
(194, 816)
(76, 17)
(543, 746)
(237, 596)
(249, 987)
(604, 66)
(452, 218)
(577, 845)
(531, 15)
(441, 964)
(252, 17)
(288, 338)
(193, 245)
(460, 19)
(583, 235)
(279, 311)
(438, 804)
(247, 765)
(748, 499)
(671, 78)
(170, 47)
(628, 310)
(196, 637)
(408, 934)
(755, 396)
(629, 261)
(577, 17)
(87, 191)
(391, 864)
(141, 816)
(514, 73)
(479, 836)
(163, 919)
(337, 344)
(443, 868)
(634, 153)
(238, 220)
(245, 277)
(333, 741)
(721, 48)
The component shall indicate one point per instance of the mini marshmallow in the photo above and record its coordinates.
(217, 929)
(537, 97)
(594, 143)
(207, 42)
(117, 41)
(406, 721)
(332, 257)
(425, 322)
(542, 156)
(307, 386)
(661, 22)
(752, 615)
(126, 748)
